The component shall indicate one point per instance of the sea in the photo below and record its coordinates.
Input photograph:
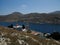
(43, 27)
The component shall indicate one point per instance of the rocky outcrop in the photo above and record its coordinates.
(14, 37)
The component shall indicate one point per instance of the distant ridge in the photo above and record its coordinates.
(53, 17)
(55, 12)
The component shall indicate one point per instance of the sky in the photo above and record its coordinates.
(28, 6)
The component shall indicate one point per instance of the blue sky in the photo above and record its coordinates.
(28, 6)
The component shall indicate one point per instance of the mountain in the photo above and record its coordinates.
(53, 17)
(12, 17)
(42, 18)
(55, 12)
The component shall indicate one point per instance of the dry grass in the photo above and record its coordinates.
(28, 40)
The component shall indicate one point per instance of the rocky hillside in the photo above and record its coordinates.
(13, 37)
(53, 17)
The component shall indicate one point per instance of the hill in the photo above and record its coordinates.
(53, 17)
(55, 12)
(15, 37)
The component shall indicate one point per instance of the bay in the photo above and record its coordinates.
(45, 28)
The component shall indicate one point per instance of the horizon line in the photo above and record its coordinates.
(28, 12)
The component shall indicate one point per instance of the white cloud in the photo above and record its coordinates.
(24, 6)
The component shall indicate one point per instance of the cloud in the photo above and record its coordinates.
(24, 6)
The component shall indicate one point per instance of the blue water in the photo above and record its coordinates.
(37, 27)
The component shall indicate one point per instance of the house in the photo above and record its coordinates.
(17, 26)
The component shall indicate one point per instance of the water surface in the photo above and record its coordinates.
(37, 27)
